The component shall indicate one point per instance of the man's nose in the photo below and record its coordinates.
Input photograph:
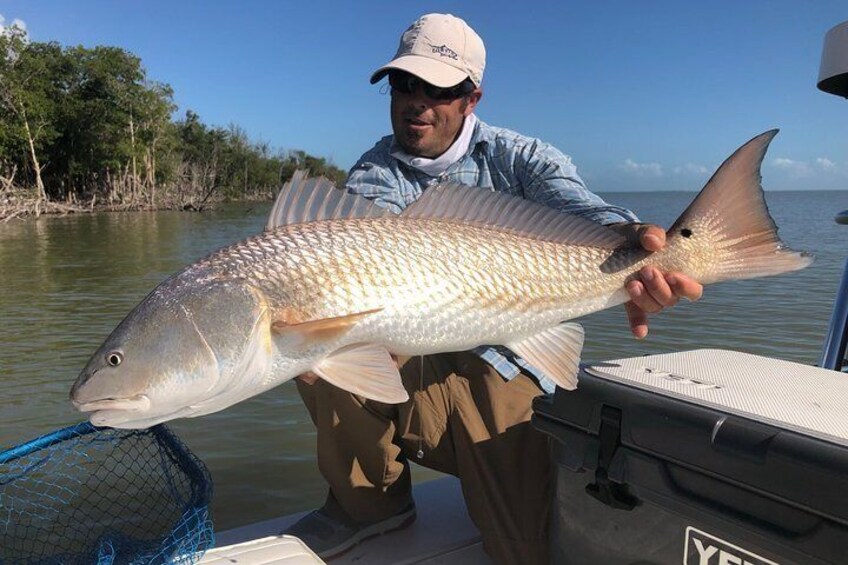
(418, 103)
(418, 99)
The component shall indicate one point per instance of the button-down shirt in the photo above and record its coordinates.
(498, 159)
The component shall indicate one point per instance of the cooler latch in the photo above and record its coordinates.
(610, 493)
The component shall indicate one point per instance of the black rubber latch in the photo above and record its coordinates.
(612, 494)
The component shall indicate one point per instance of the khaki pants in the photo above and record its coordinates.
(469, 422)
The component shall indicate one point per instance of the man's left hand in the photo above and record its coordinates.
(654, 290)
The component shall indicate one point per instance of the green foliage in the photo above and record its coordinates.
(32, 77)
(91, 124)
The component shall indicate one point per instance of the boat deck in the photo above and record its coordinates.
(442, 534)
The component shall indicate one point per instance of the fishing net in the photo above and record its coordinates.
(86, 495)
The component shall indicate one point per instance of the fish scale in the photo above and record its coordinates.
(469, 280)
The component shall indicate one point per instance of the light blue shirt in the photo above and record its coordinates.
(498, 159)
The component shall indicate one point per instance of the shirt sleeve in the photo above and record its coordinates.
(375, 184)
(373, 178)
(549, 177)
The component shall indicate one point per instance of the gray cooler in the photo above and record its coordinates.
(705, 457)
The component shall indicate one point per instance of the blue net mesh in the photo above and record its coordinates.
(86, 495)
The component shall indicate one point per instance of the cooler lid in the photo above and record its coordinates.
(805, 399)
(833, 71)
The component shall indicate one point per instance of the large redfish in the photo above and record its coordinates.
(335, 285)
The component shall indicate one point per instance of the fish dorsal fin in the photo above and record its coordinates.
(471, 205)
(365, 369)
(556, 352)
(308, 200)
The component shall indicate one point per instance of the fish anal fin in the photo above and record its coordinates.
(288, 322)
(555, 352)
(365, 369)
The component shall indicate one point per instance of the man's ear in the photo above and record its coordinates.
(471, 101)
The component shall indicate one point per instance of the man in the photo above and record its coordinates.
(469, 412)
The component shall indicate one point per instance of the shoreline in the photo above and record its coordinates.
(16, 207)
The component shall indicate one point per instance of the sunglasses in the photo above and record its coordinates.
(408, 83)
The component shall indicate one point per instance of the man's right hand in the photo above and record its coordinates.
(654, 290)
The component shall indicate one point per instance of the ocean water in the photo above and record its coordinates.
(67, 281)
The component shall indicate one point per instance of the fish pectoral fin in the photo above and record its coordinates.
(323, 329)
(555, 352)
(364, 369)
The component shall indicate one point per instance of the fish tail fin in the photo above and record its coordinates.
(731, 217)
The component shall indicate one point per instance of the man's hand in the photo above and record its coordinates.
(654, 290)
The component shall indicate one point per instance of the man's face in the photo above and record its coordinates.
(425, 126)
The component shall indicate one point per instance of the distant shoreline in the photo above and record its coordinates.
(16, 207)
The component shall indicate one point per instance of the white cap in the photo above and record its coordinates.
(440, 49)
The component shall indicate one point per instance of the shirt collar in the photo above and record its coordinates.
(458, 149)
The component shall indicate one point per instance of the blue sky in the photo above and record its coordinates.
(648, 95)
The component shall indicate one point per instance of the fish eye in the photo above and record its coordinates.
(114, 358)
(686, 232)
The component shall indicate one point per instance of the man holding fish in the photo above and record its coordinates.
(340, 287)
(468, 413)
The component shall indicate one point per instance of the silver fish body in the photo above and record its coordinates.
(337, 292)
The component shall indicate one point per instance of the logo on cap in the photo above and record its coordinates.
(444, 51)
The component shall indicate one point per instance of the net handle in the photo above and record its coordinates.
(45, 441)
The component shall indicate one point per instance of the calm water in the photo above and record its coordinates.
(66, 282)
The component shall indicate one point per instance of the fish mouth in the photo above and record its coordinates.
(137, 403)
(133, 420)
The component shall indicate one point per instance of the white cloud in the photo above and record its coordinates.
(15, 23)
(642, 169)
(797, 168)
(825, 163)
(691, 169)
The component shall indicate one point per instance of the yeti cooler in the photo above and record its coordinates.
(704, 457)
